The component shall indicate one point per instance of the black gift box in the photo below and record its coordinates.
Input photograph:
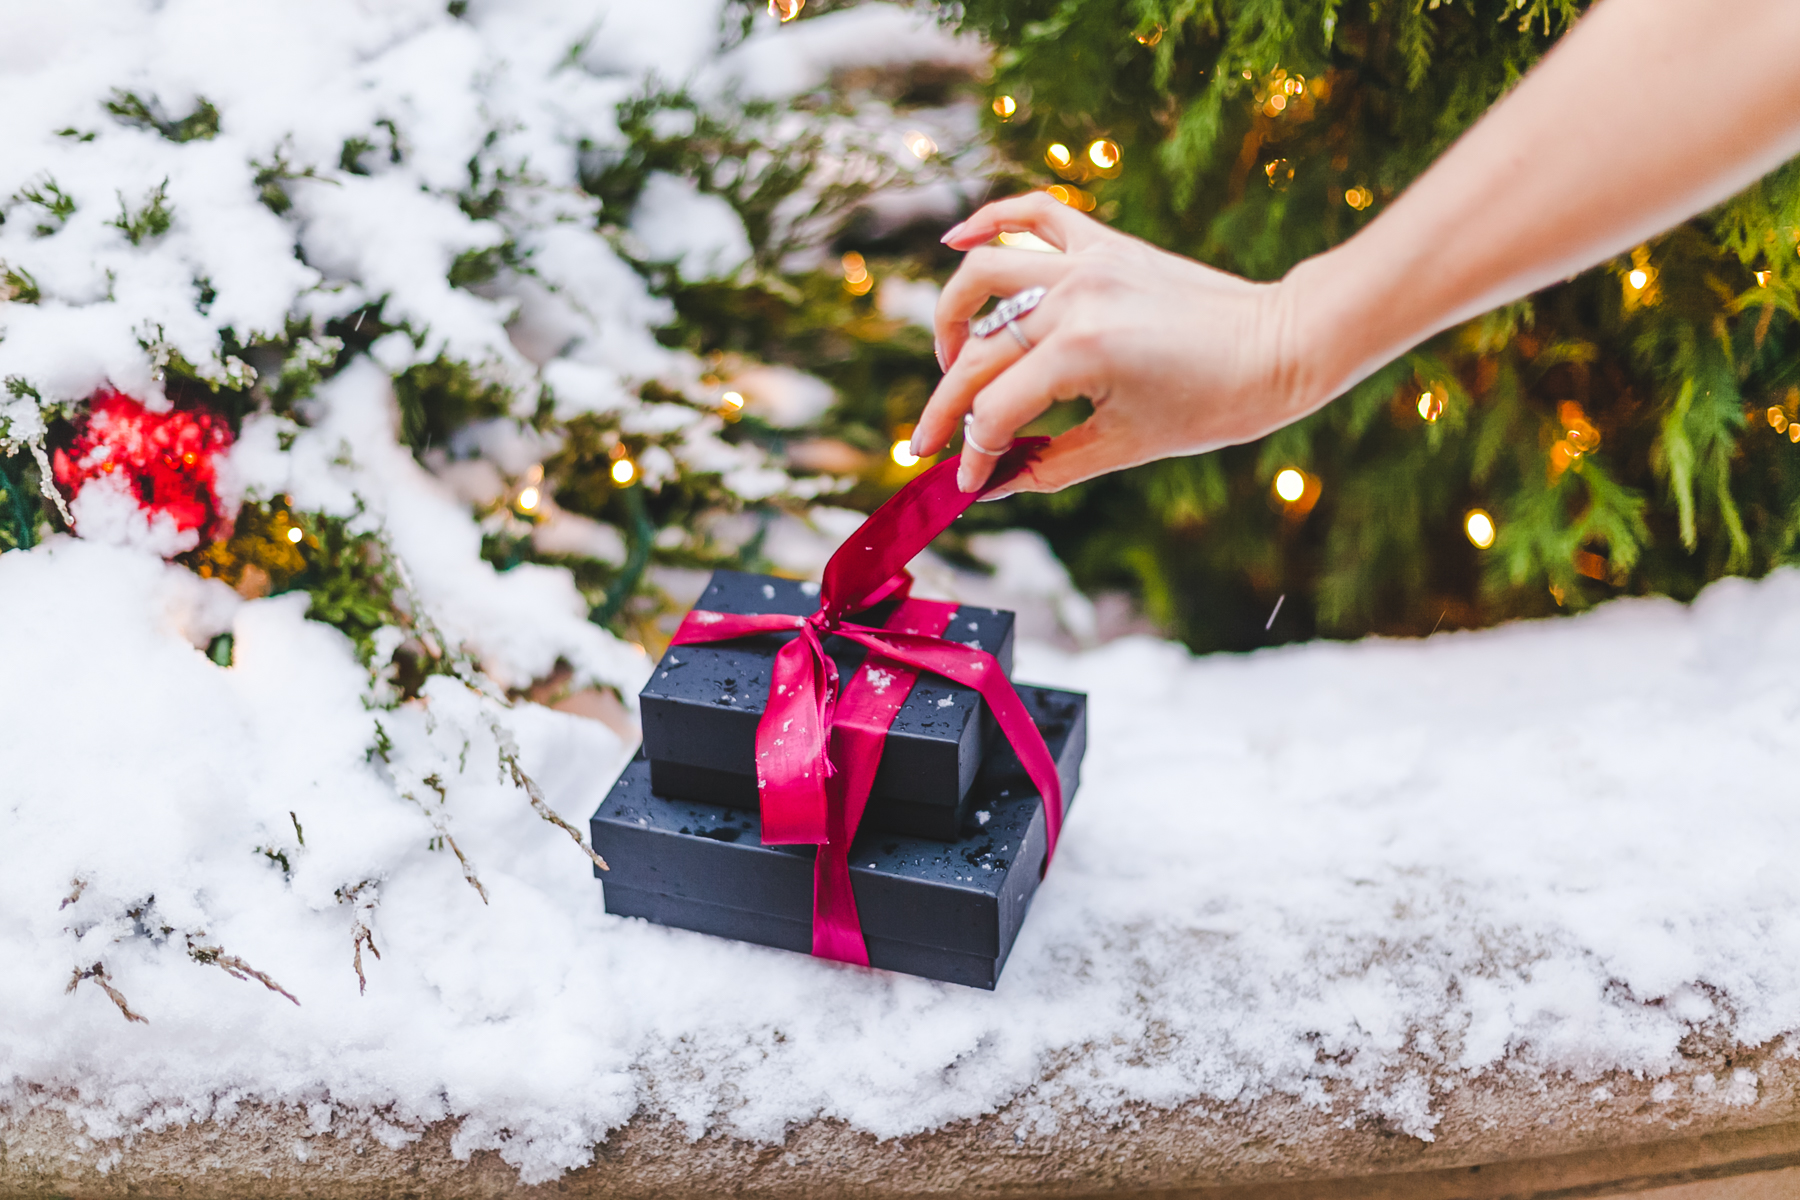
(702, 704)
(947, 912)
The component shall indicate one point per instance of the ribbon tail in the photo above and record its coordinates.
(793, 766)
(981, 671)
(837, 926)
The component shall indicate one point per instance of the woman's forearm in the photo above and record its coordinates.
(1646, 113)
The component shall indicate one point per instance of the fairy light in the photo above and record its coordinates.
(733, 400)
(1290, 485)
(857, 280)
(1074, 197)
(1640, 278)
(528, 499)
(1359, 198)
(1479, 528)
(1005, 107)
(921, 145)
(1058, 156)
(903, 455)
(1762, 278)
(294, 534)
(1150, 36)
(1431, 406)
(624, 471)
(786, 10)
(1104, 153)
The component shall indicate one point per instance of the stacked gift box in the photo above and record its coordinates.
(949, 851)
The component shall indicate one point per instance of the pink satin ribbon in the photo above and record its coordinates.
(818, 745)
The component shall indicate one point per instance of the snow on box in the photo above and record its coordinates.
(1379, 869)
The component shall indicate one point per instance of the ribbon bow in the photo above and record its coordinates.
(818, 743)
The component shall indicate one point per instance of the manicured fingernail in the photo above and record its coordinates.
(937, 348)
(965, 478)
(1001, 494)
(953, 231)
(913, 445)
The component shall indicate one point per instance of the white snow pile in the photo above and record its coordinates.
(1355, 874)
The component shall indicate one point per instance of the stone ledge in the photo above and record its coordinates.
(1532, 1143)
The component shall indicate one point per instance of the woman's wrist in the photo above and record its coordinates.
(1349, 311)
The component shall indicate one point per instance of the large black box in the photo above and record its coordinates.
(702, 704)
(947, 912)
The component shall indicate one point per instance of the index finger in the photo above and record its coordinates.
(1036, 213)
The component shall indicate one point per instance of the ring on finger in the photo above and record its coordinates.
(977, 447)
(1007, 312)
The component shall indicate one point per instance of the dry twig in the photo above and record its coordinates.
(97, 973)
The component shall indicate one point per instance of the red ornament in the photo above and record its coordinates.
(166, 459)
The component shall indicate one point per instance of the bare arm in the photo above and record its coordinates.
(1646, 113)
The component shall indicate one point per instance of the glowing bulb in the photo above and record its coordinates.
(1359, 198)
(294, 534)
(857, 280)
(1151, 38)
(921, 145)
(528, 499)
(1794, 431)
(1430, 406)
(1762, 278)
(1639, 278)
(1290, 485)
(1005, 107)
(787, 10)
(1480, 528)
(1058, 155)
(903, 454)
(623, 471)
(1104, 153)
(733, 399)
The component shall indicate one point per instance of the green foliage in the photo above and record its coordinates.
(151, 220)
(128, 108)
(1625, 438)
(349, 575)
(57, 204)
(16, 284)
(440, 397)
(19, 502)
(749, 155)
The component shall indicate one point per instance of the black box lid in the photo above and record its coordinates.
(703, 702)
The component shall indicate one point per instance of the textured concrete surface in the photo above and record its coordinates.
(1702, 1134)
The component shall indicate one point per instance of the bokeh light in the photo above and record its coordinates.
(1480, 528)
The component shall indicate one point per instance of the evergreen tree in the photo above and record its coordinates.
(1628, 431)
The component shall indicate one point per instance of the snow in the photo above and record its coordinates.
(701, 234)
(1356, 874)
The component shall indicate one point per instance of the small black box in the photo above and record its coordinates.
(947, 912)
(703, 702)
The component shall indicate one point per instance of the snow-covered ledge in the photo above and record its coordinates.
(1325, 911)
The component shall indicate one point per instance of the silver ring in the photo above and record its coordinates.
(1008, 311)
(971, 443)
(1012, 327)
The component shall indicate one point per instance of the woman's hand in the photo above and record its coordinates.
(1176, 357)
